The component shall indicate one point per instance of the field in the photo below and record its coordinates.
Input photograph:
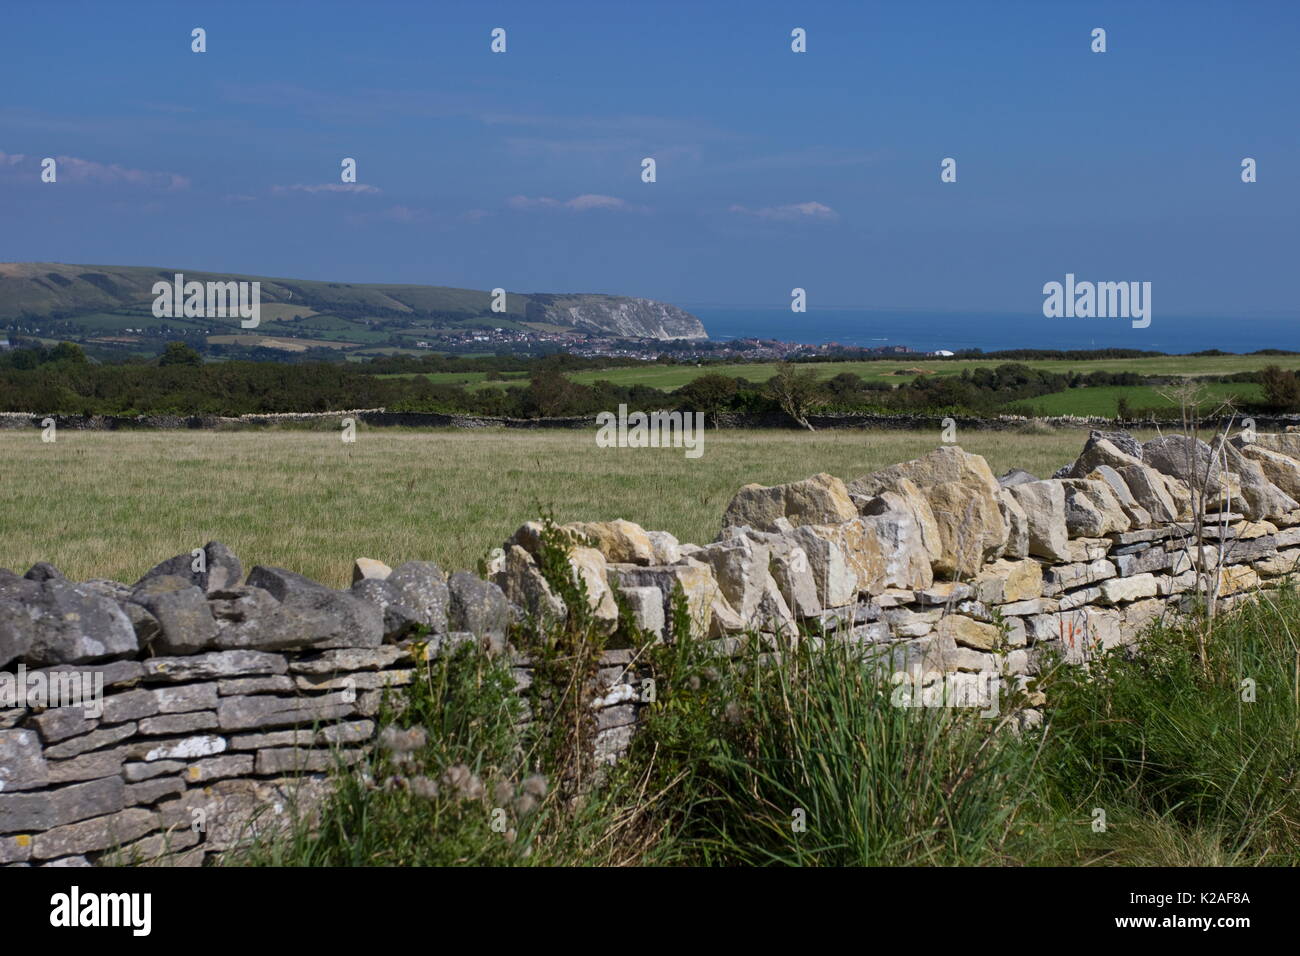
(112, 504)
(1103, 400)
(270, 342)
(473, 380)
(669, 377)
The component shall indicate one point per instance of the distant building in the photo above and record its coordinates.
(4, 344)
(941, 353)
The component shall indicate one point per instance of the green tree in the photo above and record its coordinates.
(178, 353)
(1281, 388)
(710, 394)
(68, 352)
(795, 391)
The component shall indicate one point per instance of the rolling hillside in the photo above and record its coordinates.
(113, 305)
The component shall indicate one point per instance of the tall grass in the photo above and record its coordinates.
(1195, 759)
(820, 767)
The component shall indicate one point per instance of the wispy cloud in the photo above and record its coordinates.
(75, 169)
(584, 203)
(357, 188)
(400, 213)
(794, 212)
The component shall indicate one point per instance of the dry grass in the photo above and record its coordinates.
(112, 504)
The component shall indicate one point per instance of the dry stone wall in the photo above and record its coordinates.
(382, 418)
(208, 703)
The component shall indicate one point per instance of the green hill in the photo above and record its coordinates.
(100, 303)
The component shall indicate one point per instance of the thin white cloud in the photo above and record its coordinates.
(77, 170)
(793, 212)
(357, 188)
(584, 203)
(400, 213)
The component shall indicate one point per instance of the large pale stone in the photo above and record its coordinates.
(963, 496)
(835, 580)
(523, 583)
(905, 622)
(792, 571)
(708, 612)
(363, 568)
(1234, 579)
(944, 464)
(1135, 588)
(1017, 522)
(821, 499)
(1284, 443)
(1138, 516)
(970, 525)
(621, 542)
(1004, 582)
(1193, 463)
(589, 565)
(741, 568)
(646, 605)
(968, 632)
(1282, 470)
(1140, 615)
(1190, 460)
(900, 543)
(925, 655)
(1261, 498)
(1102, 451)
(905, 496)
(1284, 562)
(1043, 503)
(1164, 498)
(1091, 509)
(667, 549)
(1068, 576)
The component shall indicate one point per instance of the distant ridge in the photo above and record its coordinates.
(50, 290)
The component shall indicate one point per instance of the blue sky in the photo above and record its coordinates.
(775, 169)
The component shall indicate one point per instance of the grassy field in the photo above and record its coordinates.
(1103, 400)
(113, 504)
(472, 379)
(669, 377)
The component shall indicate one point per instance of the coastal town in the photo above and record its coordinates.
(592, 345)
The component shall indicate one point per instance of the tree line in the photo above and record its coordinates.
(60, 379)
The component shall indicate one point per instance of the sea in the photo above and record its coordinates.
(992, 331)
